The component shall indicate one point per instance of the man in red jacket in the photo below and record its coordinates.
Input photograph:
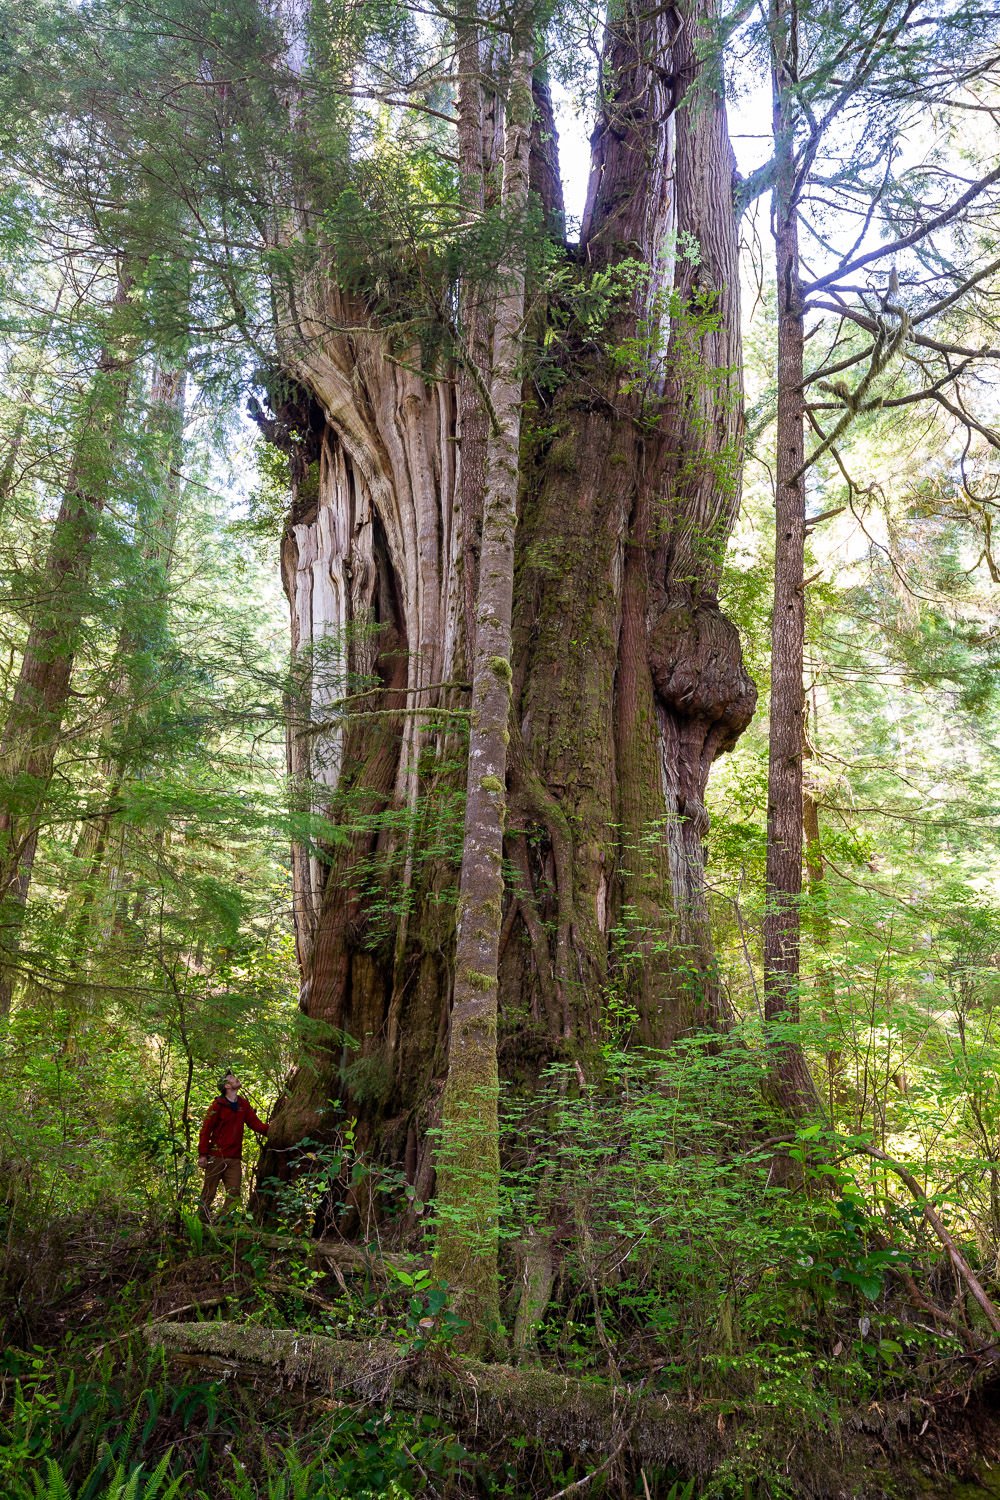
(220, 1145)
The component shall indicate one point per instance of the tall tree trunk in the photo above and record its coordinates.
(133, 682)
(793, 1081)
(13, 444)
(469, 1157)
(685, 508)
(819, 907)
(30, 736)
(626, 682)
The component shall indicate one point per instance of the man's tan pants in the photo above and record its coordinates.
(221, 1169)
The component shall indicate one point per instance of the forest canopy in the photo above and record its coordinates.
(498, 687)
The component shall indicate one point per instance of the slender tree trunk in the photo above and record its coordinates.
(475, 161)
(30, 736)
(819, 897)
(469, 1159)
(13, 445)
(134, 681)
(784, 797)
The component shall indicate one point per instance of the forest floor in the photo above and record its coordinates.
(363, 1398)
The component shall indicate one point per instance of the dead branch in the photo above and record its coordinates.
(336, 1253)
(891, 250)
(958, 1260)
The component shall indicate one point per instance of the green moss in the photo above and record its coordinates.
(477, 981)
(500, 667)
(492, 784)
(561, 457)
(308, 490)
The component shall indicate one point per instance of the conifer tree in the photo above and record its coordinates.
(842, 101)
(626, 678)
(30, 737)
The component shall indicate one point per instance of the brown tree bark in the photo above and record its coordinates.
(626, 681)
(29, 739)
(793, 1081)
(819, 898)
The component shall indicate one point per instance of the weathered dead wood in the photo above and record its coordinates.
(962, 1268)
(338, 1253)
(960, 1265)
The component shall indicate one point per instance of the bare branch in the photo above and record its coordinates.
(947, 216)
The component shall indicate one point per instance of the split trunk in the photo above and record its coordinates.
(626, 679)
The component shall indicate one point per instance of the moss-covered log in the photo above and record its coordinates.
(586, 1420)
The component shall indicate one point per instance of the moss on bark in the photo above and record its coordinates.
(862, 1455)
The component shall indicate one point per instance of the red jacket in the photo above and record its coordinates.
(222, 1128)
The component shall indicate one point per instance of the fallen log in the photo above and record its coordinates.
(345, 1257)
(585, 1419)
(558, 1410)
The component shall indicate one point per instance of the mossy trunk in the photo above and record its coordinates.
(507, 1410)
(468, 1199)
(626, 679)
(31, 733)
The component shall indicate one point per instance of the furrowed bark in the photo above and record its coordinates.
(688, 496)
(469, 1161)
(626, 680)
(793, 1082)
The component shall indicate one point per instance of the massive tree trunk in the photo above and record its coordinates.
(627, 680)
